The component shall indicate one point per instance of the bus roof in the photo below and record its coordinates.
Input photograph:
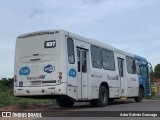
(140, 58)
(99, 43)
(84, 39)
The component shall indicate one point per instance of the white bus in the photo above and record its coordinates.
(65, 66)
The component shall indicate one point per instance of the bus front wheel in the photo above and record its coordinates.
(140, 95)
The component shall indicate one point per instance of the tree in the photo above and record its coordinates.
(152, 77)
(7, 82)
(157, 71)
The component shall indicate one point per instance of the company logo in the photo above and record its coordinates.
(41, 77)
(49, 68)
(72, 72)
(21, 114)
(6, 114)
(24, 71)
(113, 77)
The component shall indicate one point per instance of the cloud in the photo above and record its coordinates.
(94, 1)
(36, 12)
(130, 25)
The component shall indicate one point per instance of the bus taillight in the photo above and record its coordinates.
(60, 76)
(15, 78)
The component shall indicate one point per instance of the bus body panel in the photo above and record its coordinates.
(37, 66)
(47, 71)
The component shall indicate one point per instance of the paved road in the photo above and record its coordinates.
(117, 106)
(86, 110)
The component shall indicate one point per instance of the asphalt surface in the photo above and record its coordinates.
(87, 112)
(111, 112)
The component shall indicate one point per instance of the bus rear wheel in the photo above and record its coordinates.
(93, 103)
(140, 95)
(64, 101)
(111, 100)
(102, 101)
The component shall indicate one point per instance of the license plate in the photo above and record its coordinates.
(35, 82)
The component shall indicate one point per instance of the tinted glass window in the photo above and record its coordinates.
(108, 60)
(120, 66)
(78, 59)
(70, 47)
(84, 62)
(144, 71)
(96, 57)
(131, 67)
(137, 68)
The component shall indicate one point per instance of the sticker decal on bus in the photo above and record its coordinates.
(113, 77)
(72, 72)
(24, 71)
(21, 84)
(49, 68)
(41, 77)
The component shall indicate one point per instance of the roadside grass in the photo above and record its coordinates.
(153, 96)
(7, 99)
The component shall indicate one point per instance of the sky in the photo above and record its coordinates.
(129, 25)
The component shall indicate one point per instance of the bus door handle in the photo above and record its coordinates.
(84, 85)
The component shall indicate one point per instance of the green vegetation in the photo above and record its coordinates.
(153, 96)
(157, 71)
(7, 98)
(153, 76)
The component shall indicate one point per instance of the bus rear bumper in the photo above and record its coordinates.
(39, 91)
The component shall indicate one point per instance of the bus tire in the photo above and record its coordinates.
(64, 102)
(93, 103)
(111, 100)
(102, 101)
(140, 95)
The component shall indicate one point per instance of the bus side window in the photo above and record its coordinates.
(70, 47)
(137, 68)
(120, 65)
(144, 71)
(84, 62)
(78, 60)
(131, 66)
(108, 61)
(96, 57)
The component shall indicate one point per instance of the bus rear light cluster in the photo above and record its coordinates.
(15, 78)
(60, 75)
